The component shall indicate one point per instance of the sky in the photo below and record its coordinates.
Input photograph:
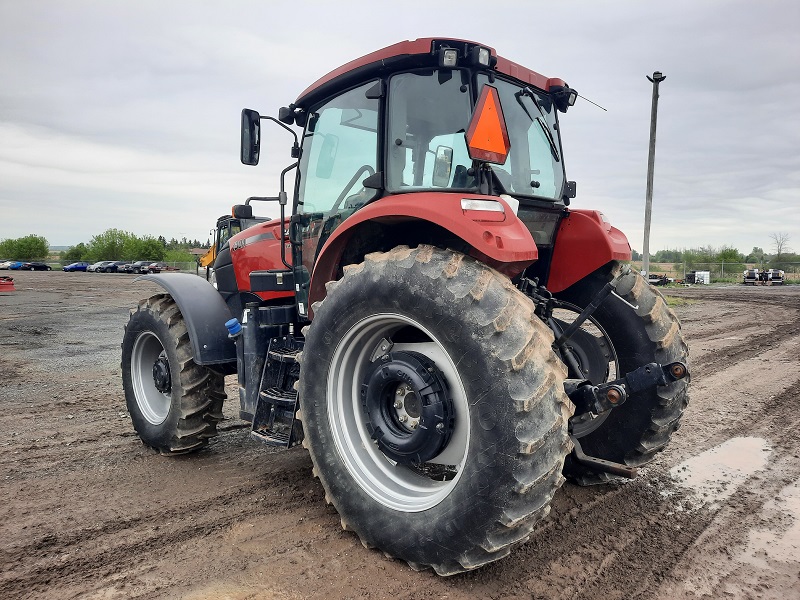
(126, 114)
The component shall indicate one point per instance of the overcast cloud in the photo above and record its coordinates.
(126, 114)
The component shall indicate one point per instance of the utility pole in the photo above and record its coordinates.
(657, 78)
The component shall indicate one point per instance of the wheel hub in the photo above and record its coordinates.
(161, 375)
(409, 407)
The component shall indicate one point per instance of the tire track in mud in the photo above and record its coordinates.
(749, 348)
(91, 553)
(254, 511)
(782, 327)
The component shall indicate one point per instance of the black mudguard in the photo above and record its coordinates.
(204, 312)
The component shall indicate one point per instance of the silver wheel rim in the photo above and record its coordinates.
(394, 485)
(153, 404)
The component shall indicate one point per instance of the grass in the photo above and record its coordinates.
(675, 301)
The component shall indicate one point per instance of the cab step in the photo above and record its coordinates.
(276, 406)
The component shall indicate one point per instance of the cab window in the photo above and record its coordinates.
(340, 150)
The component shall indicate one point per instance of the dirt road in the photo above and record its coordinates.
(86, 511)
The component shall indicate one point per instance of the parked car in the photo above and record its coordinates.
(6, 264)
(14, 265)
(96, 267)
(35, 266)
(114, 266)
(158, 267)
(140, 266)
(77, 266)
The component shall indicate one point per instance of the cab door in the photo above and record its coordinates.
(340, 151)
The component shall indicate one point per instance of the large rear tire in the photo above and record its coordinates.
(633, 433)
(483, 469)
(174, 403)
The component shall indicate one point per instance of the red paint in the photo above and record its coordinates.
(259, 255)
(505, 245)
(424, 46)
(584, 243)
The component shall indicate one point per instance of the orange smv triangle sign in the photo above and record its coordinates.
(487, 136)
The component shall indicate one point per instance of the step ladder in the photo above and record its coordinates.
(274, 422)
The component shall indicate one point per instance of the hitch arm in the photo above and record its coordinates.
(601, 398)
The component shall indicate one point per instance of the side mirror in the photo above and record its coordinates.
(242, 211)
(442, 166)
(251, 136)
(570, 190)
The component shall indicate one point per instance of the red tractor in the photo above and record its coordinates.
(432, 322)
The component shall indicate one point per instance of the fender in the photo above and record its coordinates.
(585, 242)
(204, 312)
(498, 239)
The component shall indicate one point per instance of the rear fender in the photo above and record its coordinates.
(500, 240)
(204, 312)
(584, 243)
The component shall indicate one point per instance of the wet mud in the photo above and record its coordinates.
(89, 512)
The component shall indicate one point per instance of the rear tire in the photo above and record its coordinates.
(472, 501)
(174, 403)
(633, 433)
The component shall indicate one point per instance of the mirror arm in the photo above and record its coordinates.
(282, 199)
(296, 146)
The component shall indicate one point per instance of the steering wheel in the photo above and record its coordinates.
(353, 179)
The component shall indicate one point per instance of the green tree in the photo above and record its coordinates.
(76, 253)
(146, 248)
(731, 262)
(788, 261)
(8, 248)
(109, 245)
(30, 247)
(178, 256)
(756, 255)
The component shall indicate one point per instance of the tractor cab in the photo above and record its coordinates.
(410, 122)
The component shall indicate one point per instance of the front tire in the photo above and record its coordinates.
(633, 433)
(174, 403)
(494, 387)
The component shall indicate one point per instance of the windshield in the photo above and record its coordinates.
(534, 165)
(428, 114)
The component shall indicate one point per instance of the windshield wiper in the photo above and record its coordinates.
(540, 120)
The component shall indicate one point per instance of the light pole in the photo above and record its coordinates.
(657, 78)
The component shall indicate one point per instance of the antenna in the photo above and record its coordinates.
(590, 102)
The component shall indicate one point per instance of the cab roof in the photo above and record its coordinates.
(409, 54)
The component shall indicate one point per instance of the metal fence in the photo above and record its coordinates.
(720, 271)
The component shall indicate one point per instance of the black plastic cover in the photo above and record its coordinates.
(204, 312)
(272, 281)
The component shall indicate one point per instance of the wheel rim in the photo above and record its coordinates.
(583, 425)
(401, 487)
(149, 372)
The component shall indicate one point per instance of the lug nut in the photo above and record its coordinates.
(440, 427)
(398, 404)
(402, 418)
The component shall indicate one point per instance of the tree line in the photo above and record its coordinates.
(112, 244)
(701, 258)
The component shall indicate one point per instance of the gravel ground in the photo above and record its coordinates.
(89, 512)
